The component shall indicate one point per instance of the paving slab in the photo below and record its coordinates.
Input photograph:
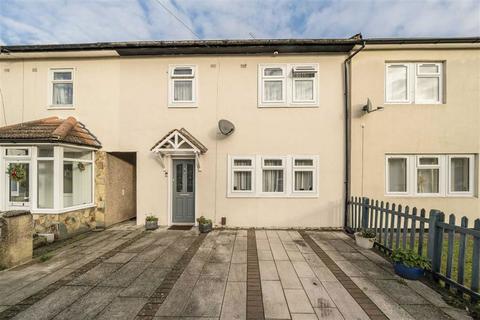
(303, 269)
(122, 309)
(288, 276)
(206, 299)
(298, 301)
(274, 302)
(239, 257)
(216, 270)
(317, 294)
(349, 308)
(265, 255)
(96, 275)
(426, 312)
(329, 314)
(268, 270)
(125, 275)
(53, 304)
(238, 272)
(234, 302)
(304, 316)
(88, 306)
(399, 291)
(146, 283)
(121, 257)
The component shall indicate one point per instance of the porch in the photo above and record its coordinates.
(125, 273)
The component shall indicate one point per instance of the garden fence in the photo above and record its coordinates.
(454, 250)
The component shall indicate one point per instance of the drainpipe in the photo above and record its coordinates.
(347, 93)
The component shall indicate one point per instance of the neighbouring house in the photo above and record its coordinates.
(294, 140)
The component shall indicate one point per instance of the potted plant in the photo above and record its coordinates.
(365, 238)
(204, 224)
(408, 264)
(151, 223)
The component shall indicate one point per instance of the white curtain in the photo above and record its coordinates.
(303, 180)
(397, 174)
(62, 93)
(460, 175)
(183, 90)
(273, 90)
(273, 180)
(303, 90)
(427, 181)
(397, 83)
(242, 181)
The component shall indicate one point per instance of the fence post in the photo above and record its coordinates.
(476, 260)
(435, 239)
(365, 203)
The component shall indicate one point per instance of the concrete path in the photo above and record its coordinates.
(125, 273)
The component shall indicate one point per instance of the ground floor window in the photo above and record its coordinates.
(272, 176)
(48, 178)
(430, 175)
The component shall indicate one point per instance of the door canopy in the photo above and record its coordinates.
(179, 142)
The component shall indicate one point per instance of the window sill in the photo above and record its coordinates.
(260, 106)
(414, 103)
(66, 107)
(430, 196)
(60, 211)
(182, 106)
(282, 196)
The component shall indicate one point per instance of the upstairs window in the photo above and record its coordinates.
(182, 86)
(61, 88)
(417, 83)
(284, 85)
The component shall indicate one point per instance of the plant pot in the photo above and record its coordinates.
(362, 242)
(204, 228)
(411, 273)
(151, 225)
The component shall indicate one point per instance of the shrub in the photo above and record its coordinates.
(45, 257)
(410, 259)
(151, 218)
(368, 233)
(203, 220)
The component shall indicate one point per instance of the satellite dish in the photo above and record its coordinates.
(369, 108)
(226, 127)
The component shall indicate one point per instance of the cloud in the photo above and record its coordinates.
(73, 21)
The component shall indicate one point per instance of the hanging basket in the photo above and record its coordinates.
(16, 172)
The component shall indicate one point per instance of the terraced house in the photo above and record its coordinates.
(263, 133)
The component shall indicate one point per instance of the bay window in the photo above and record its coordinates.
(430, 175)
(45, 177)
(182, 86)
(417, 83)
(77, 177)
(272, 176)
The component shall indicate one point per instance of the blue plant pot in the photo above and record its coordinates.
(408, 272)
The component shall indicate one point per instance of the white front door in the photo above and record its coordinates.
(18, 190)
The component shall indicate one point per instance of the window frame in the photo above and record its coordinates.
(281, 167)
(313, 168)
(288, 85)
(440, 166)
(471, 175)
(52, 81)
(171, 86)
(413, 74)
(234, 169)
(387, 175)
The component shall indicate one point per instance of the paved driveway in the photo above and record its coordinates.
(125, 273)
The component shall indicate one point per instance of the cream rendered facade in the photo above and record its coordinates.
(449, 128)
(124, 101)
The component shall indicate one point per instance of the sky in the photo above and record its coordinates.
(79, 21)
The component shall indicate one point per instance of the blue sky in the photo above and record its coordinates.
(73, 21)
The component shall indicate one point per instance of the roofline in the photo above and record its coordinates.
(241, 46)
(464, 40)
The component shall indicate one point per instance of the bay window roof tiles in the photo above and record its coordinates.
(50, 130)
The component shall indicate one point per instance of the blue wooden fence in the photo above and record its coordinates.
(401, 227)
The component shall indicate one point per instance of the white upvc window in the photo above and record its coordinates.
(287, 85)
(304, 174)
(438, 175)
(273, 175)
(397, 175)
(273, 84)
(429, 175)
(243, 174)
(182, 91)
(414, 83)
(461, 175)
(61, 88)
